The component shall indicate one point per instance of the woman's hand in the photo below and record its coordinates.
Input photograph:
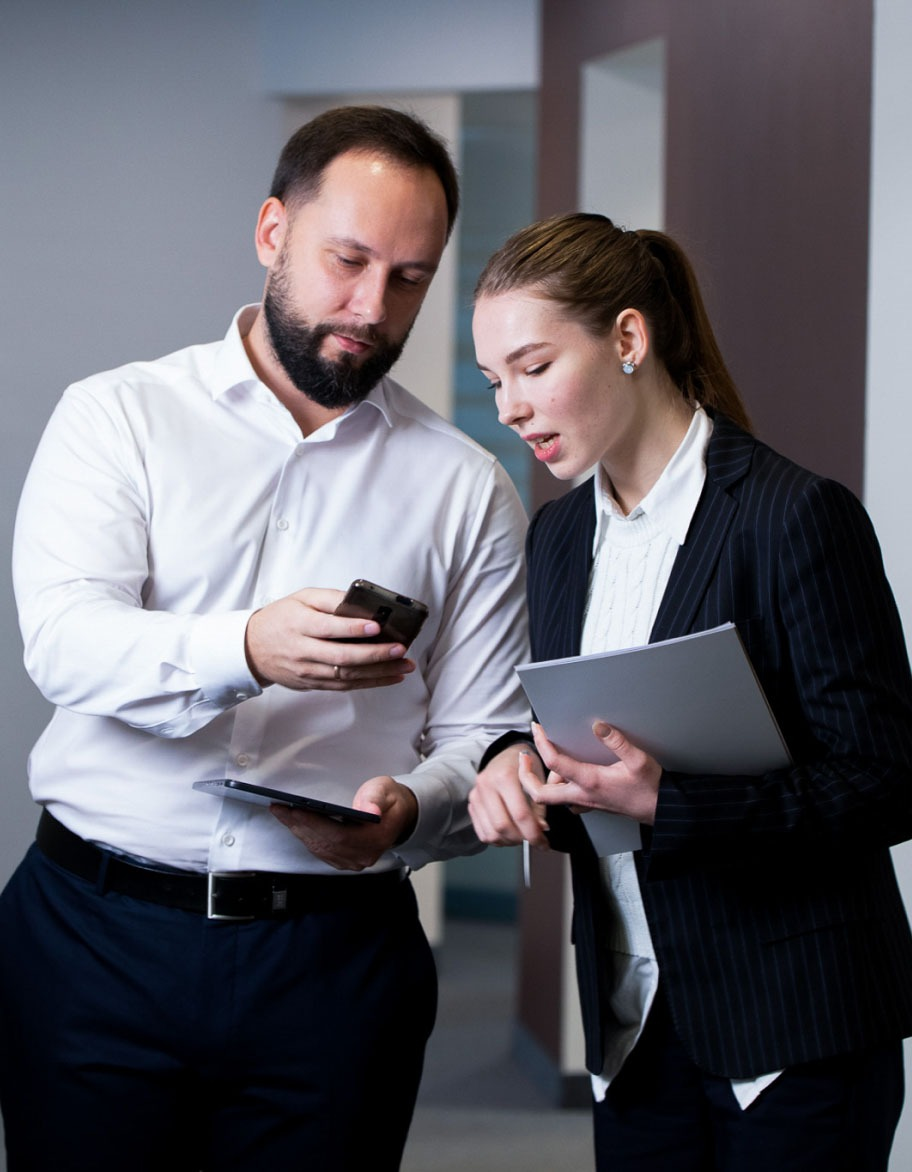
(630, 786)
(501, 813)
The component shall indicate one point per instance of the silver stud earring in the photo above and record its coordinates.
(629, 366)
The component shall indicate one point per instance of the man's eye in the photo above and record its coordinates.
(412, 280)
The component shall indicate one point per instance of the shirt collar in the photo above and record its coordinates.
(232, 368)
(672, 500)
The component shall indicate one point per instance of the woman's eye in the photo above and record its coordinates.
(540, 369)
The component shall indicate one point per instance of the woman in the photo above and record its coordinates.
(746, 977)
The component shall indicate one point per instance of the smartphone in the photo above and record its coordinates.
(245, 791)
(400, 617)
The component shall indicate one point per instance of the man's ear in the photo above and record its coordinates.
(271, 227)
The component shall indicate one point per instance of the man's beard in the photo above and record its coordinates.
(296, 345)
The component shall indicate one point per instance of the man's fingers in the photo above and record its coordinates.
(347, 677)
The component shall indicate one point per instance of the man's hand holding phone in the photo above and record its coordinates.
(302, 643)
(400, 617)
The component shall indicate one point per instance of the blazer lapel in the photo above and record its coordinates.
(559, 577)
(727, 461)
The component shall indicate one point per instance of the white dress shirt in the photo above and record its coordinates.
(166, 502)
(633, 560)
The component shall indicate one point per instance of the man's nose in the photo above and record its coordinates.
(369, 298)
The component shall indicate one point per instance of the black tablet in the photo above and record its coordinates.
(245, 791)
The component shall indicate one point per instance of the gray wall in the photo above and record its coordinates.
(135, 152)
(137, 141)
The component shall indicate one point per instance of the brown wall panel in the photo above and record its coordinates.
(768, 144)
(767, 180)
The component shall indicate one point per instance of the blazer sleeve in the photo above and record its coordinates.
(832, 653)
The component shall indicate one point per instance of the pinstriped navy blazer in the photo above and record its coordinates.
(773, 905)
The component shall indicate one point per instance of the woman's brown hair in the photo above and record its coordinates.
(593, 270)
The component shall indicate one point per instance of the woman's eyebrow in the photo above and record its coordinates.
(520, 352)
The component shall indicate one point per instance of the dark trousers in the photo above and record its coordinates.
(143, 1037)
(663, 1114)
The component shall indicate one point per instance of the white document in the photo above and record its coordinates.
(611, 834)
(694, 703)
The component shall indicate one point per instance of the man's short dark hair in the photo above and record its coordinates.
(377, 130)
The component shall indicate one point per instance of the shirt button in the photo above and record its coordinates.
(242, 759)
(228, 840)
(281, 523)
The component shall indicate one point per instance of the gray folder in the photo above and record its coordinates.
(694, 703)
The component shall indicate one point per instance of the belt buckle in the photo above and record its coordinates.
(211, 877)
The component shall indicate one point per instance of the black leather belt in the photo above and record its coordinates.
(219, 895)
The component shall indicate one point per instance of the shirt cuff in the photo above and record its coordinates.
(504, 742)
(218, 658)
(443, 829)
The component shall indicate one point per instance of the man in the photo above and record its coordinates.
(192, 982)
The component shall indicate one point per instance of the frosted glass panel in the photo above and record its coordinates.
(622, 147)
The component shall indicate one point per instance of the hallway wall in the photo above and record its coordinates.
(769, 185)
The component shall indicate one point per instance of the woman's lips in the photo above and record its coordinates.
(545, 447)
